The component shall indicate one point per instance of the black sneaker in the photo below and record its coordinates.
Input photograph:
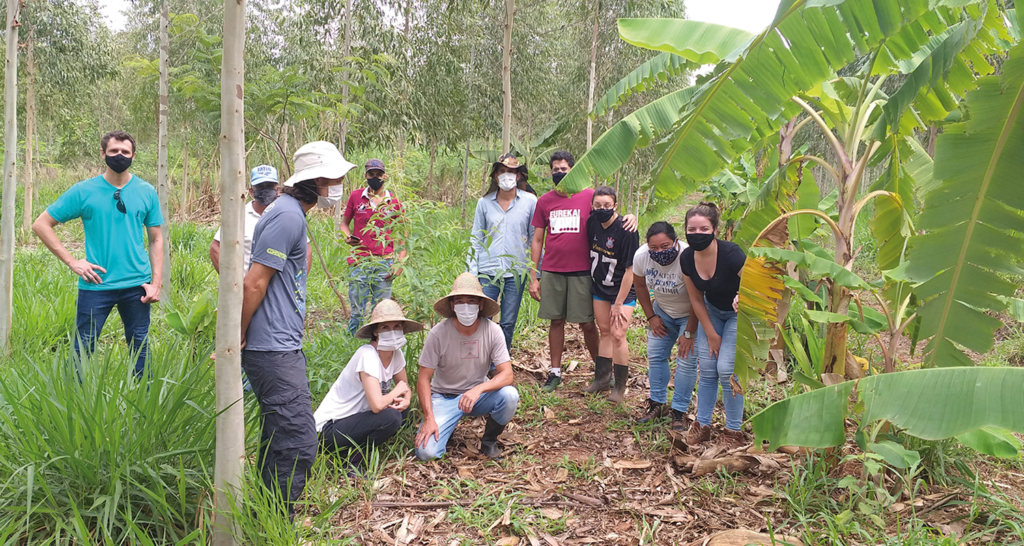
(552, 383)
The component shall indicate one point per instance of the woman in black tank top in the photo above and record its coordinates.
(712, 269)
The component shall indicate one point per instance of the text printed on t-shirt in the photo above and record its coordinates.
(564, 221)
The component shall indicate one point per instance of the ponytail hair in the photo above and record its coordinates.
(706, 209)
(661, 227)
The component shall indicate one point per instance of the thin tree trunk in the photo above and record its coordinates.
(30, 131)
(433, 154)
(184, 181)
(506, 78)
(230, 446)
(593, 72)
(10, 176)
(344, 89)
(161, 160)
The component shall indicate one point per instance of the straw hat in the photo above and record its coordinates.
(467, 284)
(319, 159)
(387, 311)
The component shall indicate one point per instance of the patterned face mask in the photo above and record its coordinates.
(664, 257)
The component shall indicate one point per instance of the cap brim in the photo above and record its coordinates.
(263, 180)
(337, 169)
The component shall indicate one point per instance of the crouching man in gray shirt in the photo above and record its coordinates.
(273, 320)
(454, 362)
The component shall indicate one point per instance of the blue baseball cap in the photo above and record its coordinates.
(374, 165)
(263, 174)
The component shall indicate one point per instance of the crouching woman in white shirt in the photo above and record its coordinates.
(360, 412)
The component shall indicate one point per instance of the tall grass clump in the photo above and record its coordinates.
(98, 457)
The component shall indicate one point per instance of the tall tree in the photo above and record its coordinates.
(506, 78)
(593, 71)
(345, 89)
(161, 161)
(30, 130)
(230, 414)
(10, 174)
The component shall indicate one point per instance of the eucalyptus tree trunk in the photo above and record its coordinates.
(506, 78)
(10, 175)
(344, 89)
(230, 453)
(593, 72)
(30, 131)
(161, 137)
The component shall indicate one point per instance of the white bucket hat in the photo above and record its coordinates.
(319, 159)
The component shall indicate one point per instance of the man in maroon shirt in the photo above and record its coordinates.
(561, 232)
(373, 213)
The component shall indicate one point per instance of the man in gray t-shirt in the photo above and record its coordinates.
(273, 315)
(454, 362)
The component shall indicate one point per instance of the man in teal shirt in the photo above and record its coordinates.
(116, 208)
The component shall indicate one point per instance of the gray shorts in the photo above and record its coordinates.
(565, 297)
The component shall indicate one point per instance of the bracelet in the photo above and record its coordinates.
(650, 317)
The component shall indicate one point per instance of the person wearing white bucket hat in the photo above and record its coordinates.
(454, 362)
(273, 320)
(362, 410)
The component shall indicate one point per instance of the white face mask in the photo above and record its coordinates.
(391, 340)
(507, 181)
(467, 313)
(334, 194)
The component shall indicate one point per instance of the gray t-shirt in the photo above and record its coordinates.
(462, 362)
(279, 242)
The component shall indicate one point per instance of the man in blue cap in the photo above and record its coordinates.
(264, 189)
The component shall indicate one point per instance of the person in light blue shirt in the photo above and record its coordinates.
(118, 210)
(501, 238)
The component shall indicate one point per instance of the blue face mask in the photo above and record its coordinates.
(664, 257)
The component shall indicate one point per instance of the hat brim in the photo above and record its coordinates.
(494, 168)
(408, 327)
(333, 170)
(263, 180)
(488, 307)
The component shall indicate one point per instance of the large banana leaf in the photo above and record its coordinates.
(761, 290)
(705, 43)
(973, 219)
(750, 92)
(646, 76)
(930, 404)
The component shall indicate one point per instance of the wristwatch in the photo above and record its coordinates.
(687, 334)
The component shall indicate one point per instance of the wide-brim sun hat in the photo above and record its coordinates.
(319, 159)
(509, 161)
(467, 284)
(387, 311)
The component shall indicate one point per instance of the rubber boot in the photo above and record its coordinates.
(602, 375)
(489, 441)
(618, 393)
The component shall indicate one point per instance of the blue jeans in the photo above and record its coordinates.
(659, 351)
(366, 287)
(94, 307)
(500, 405)
(718, 370)
(511, 291)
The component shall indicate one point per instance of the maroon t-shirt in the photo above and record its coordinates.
(373, 225)
(566, 248)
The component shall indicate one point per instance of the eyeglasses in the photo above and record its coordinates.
(120, 203)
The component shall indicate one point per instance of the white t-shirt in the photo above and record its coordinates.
(666, 281)
(347, 396)
(251, 217)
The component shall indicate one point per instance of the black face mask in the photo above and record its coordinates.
(603, 215)
(118, 163)
(375, 183)
(699, 241)
(265, 196)
(557, 177)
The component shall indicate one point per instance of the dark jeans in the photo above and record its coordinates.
(94, 307)
(511, 291)
(288, 435)
(359, 433)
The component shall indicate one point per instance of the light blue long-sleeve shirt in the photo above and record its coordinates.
(501, 238)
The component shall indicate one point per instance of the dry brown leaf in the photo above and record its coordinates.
(508, 541)
(549, 539)
(629, 464)
(548, 413)
(551, 513)
(465, 472)
(561, 475)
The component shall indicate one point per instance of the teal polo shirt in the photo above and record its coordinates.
(114, 240)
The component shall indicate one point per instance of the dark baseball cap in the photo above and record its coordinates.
(375, 165)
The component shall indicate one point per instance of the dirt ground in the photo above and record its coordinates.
(578, 470)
